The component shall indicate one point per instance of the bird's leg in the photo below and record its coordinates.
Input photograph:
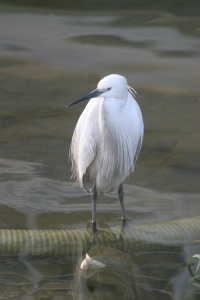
(94, 199)
(121, 200)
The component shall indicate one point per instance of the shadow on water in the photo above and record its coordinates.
(49, 57)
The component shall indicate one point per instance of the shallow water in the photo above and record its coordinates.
(47, 59)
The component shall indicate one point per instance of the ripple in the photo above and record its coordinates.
(177, 53)
(25, 189)
(136, 18)
(109, 40)
(13, 47)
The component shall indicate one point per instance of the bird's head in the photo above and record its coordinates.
(111, 86)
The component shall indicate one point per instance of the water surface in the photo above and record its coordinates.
(47, 59)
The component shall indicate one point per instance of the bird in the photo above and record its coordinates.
(107, 139)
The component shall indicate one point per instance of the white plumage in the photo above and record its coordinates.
(108, 136)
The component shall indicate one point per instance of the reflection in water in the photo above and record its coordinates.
(127, 274)
(109, 276)
(42, 57)
(58, 204)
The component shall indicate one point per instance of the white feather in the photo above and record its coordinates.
(108, 137)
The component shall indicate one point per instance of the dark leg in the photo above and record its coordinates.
(94, 199)
(121, 200)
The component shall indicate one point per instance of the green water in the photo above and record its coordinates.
(49, 57)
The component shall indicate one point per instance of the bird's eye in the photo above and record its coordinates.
(109, 88)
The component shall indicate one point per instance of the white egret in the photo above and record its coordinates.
(107, 139)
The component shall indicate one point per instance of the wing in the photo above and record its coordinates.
(139, 129)
(121, 133)
(83, 149)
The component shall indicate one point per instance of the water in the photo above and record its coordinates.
(47, 59)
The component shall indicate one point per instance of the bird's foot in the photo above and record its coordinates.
(92, 226)
(124, 222)
(93, 231)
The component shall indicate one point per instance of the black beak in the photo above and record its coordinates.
(90, 95)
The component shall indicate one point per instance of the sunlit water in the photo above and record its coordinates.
(47, 60)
